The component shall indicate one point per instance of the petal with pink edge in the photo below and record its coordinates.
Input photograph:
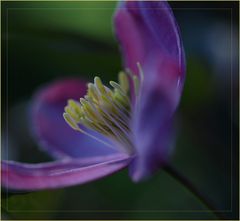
(21, 176)
(51, 130)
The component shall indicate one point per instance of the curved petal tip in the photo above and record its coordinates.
(20, 176)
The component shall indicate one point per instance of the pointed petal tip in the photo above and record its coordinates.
(21, 176)
(138, 177)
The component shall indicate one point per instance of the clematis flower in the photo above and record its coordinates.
(94, 130)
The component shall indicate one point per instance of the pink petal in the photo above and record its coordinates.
(52, 132)
(21, 176)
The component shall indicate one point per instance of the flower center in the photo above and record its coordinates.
(106, 110)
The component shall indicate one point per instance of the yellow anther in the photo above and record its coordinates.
(98, 83)
(75, 106)
(72, 113)
(83, 101)
(123, 81)
(92, 92)
(136, 84)
(70, 121)
(110, 94)
(117, 87)
(71, 102)
(106, 103)
(87, 109)
(86, 121)
(119, 98)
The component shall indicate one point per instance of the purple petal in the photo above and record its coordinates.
(20, 176)
(51, 130)
(148, 33)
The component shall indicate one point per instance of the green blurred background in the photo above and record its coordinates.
(43, 41)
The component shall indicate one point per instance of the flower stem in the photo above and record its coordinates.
(189, 185)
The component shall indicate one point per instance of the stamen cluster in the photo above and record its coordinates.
(105, 110)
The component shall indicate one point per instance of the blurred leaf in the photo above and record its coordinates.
(92, 19)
